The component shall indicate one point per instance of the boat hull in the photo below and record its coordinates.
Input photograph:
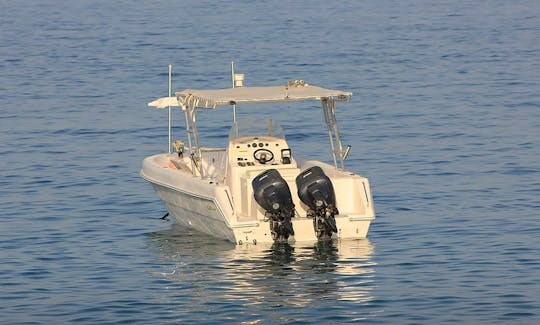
(196, 212)
(209, 207)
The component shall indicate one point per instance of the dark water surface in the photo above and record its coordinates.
(445, 121)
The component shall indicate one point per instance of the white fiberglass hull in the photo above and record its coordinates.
(190, 201)
(194, 211)
(208, 206)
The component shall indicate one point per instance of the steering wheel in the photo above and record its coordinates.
(263, 155)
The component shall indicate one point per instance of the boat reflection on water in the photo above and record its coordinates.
(277, 274)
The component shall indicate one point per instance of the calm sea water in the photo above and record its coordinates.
(445, 121)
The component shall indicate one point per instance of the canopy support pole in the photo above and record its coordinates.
(190, 112)
(333, 132)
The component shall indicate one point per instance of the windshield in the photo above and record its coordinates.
(256, 127)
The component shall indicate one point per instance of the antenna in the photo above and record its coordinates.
(170, 93)
(233, 85)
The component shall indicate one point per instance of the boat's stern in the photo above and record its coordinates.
(352, 211)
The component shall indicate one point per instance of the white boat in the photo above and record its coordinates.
(256, 189)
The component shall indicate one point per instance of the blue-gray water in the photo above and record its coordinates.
(445, 121)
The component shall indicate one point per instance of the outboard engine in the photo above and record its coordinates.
(273, 194)
(316, 191)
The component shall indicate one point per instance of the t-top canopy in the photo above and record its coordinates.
(295, 91)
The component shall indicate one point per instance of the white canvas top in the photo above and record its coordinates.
(231, 96)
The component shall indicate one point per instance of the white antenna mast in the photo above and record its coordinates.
(170, 94)
(233, 85)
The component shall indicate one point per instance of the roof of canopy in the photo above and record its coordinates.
(231, 96)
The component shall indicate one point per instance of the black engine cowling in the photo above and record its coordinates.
(317, 192)
(315, 188)
(273, 194)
